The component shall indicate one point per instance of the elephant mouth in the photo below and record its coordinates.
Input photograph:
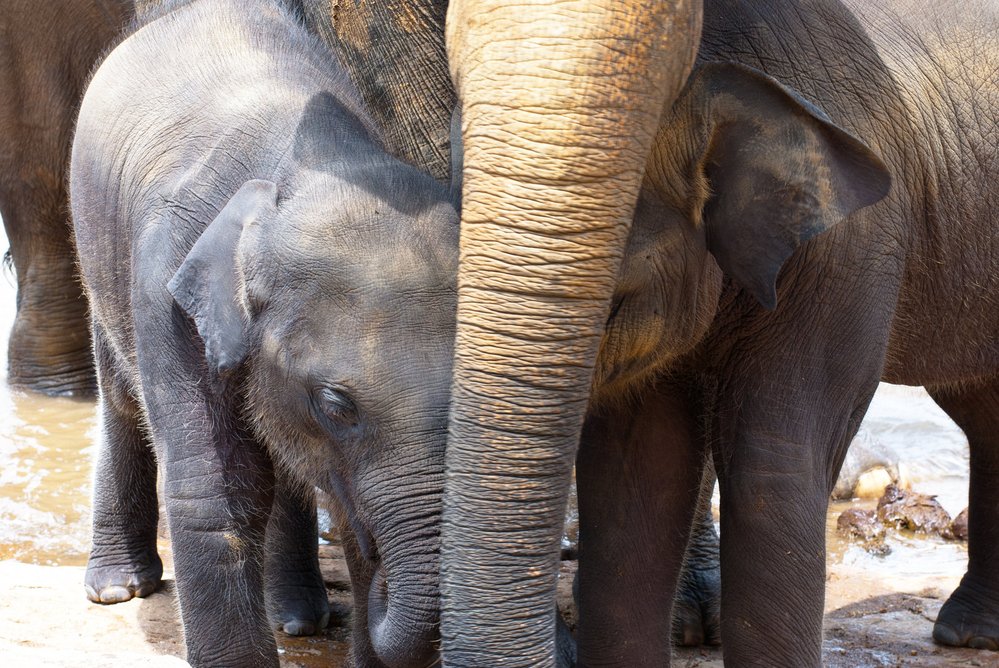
(401, 636)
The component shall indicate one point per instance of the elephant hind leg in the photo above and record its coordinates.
(697, 609)
(123, 559)
(296, 596)
(970, 617)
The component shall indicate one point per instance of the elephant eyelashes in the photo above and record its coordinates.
(336, 407)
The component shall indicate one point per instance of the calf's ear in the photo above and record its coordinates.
(778, 172)
(208, 284)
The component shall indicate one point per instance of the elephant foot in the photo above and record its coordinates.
(697, 608)
(57, 361)
(108, 580)
(298, 610)
(54, 382)
(970, 617)
(565, 644)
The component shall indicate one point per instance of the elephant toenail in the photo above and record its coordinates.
(981, 642)
(299, 627)
(115, 594)
(945, 635)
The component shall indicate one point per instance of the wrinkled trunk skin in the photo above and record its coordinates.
(394, 51)
(47, 51)
(560, 102)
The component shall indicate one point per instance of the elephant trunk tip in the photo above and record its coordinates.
(403, 635)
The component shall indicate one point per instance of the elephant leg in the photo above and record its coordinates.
(697, 609)
(296, 596)
(970, 617)
(218, 485)
(637, 473)
(218, 503)
(49, 349)
(123, 558)
(778, 451)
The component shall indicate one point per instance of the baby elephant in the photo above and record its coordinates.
(267, 285)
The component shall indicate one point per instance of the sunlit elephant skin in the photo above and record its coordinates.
(247, 246)
(904, 290)
(47, 51)
(560, 102)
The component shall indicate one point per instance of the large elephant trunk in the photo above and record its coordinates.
(560, 101)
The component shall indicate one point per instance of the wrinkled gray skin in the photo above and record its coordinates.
(47, 51)
(905, 291)
(267, 285)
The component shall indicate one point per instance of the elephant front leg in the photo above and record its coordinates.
(296, 596)
(777, 456)
(218, 518)
(970, 617)
(638, 473)
(49, 348)
(219, 487)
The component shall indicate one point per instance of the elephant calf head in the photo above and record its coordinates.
(746, 170)
(335, 296)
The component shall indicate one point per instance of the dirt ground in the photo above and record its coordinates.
(46, 621)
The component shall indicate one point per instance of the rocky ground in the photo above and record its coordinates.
(46, 621)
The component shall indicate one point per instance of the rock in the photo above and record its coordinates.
(864, 525)
(959, 527)
(871, 484)
(912, 511)
(868, 468)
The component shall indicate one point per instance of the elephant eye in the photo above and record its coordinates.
(335, 405)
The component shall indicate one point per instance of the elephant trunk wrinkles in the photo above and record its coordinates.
(403, 593)
(403, 619)
(560, 103)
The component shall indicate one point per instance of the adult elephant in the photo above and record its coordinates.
(904, 291)
(47, 51)
(560, 102)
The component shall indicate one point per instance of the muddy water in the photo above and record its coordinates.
(46, 449)
(933, 457)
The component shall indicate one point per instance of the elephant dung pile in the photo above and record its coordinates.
(902, 510)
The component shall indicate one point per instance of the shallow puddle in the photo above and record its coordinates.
(45, 476)
(46, 450)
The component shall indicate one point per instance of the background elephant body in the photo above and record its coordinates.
(905, 291)
(47, 51)
(394, 53)
(247, 246)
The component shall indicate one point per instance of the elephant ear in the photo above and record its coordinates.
(779, 172)
(208, 284)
